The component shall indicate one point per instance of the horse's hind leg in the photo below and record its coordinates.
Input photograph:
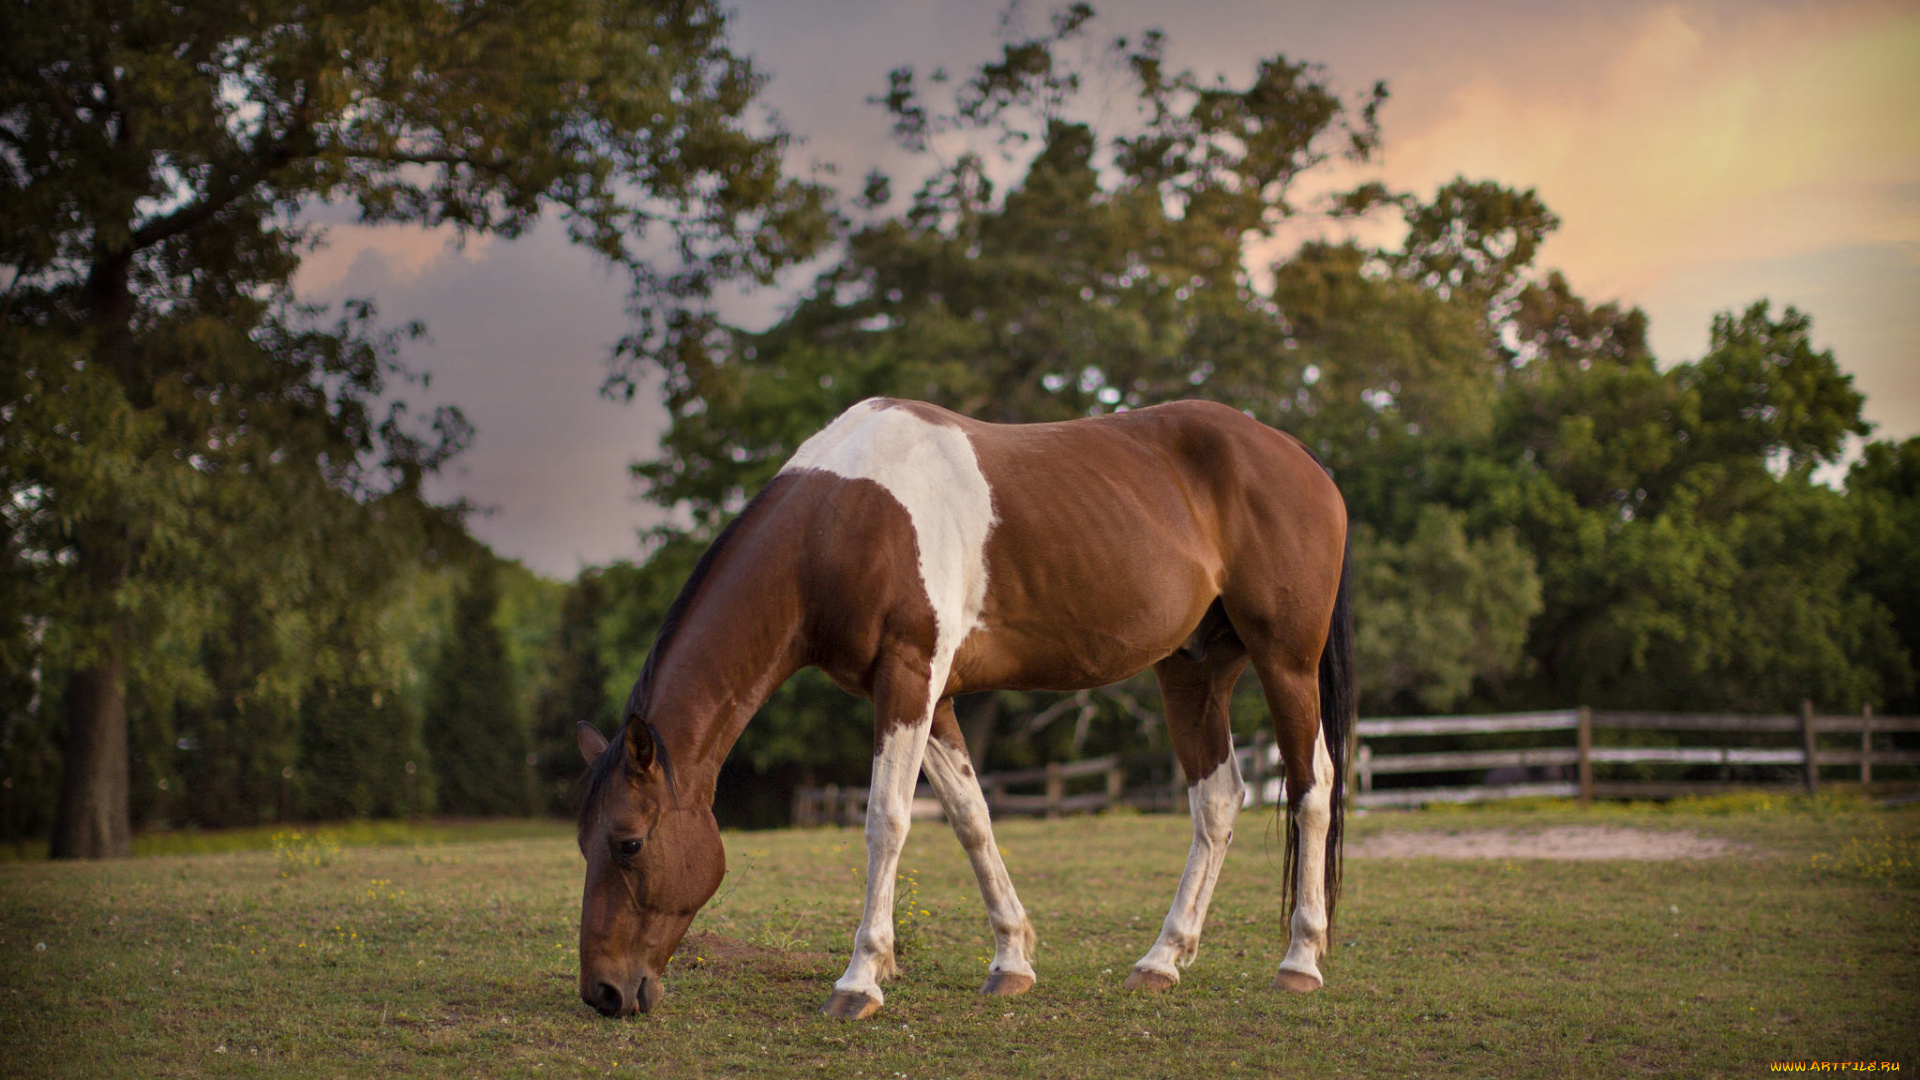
(1293, 697)
(1197, 694)
(951, 774)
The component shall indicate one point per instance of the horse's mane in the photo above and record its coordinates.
(640, 700)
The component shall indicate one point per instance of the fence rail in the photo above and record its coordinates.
(833, 805)
(1809, 756)
(1260, 764)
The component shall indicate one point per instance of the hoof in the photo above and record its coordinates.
(850, 1005)
(1297, 981)
(1152, 982)
(1007, 984)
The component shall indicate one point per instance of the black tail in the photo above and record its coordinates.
(1337, 711)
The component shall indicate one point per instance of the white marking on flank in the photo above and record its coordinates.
(1214, 801)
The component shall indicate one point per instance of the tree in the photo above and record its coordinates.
(475, 731)
(1688, 557)
(1442, 611)
(1543, 514)
(574, 692)
(1884, 486)
(1111, 276)
(155, 161)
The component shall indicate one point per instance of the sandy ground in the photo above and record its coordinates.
(1564, 842)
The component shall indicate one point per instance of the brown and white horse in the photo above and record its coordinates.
(913, 554)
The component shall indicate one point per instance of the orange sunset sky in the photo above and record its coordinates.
(1700, 156)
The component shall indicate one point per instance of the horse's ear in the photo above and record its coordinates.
(640, 750)
(592, 743)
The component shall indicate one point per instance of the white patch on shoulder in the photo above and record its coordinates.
(933, 473)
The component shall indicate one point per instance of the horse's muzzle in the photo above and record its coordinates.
(611, 1000)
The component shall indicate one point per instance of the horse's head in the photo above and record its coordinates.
(652, 861)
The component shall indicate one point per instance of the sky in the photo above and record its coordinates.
(1701, 156)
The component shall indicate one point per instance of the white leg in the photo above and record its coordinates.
(1301, 970)
(1214, 801)
(966, 807)
(896, 768)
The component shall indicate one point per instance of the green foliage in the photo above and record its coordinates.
(574, 692)
(1442, 611)
(1689, 559)
(211, 494)
(1885, 485)
(528, 616)
(1108, 277)
(475, 732)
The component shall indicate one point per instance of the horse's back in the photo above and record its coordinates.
(1113, 535)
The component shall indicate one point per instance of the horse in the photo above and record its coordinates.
(913, 554)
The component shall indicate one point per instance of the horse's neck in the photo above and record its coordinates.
(736, 643)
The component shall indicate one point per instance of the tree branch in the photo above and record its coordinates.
(59, 100)
(225, 188)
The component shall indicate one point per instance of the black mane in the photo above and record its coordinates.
(640, 700)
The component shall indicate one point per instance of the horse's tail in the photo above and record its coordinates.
(1337, 711)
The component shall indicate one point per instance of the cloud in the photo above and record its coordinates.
(351, 255)
(518, 337)
(1707, 138)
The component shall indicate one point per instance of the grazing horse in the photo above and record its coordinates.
(913, 554)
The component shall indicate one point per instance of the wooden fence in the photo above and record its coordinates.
(834, 805)
(1806, 758)
(1260, 764)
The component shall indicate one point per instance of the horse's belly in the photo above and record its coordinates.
(1019, 662)
(1081, 638)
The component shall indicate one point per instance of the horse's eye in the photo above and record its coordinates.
(627, 849)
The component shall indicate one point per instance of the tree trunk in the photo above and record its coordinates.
(93, 820)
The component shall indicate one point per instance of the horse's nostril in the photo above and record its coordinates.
(607, 998)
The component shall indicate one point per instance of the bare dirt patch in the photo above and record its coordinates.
(1560, 842)
(708, 951)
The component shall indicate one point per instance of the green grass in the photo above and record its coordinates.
(430, 956)
(343, 834)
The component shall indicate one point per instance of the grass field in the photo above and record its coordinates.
(425, 954)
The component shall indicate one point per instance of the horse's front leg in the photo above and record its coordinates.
(903, 715)
(953, 779)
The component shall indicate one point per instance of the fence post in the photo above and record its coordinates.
(1808, 747)
(1866, 745)
(802, 805)
(1585, 767)
(1056, 789)
(830, 795)
(1364, 763)
(1116, 783)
